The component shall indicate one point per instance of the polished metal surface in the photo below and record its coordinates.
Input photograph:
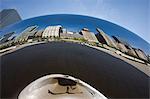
(58, 86)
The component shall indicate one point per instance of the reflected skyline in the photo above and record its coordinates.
(75, 23)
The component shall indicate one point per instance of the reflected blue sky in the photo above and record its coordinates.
(131, 14)
(76, 23)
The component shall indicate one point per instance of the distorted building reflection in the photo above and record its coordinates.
(89, 36)
(52, 31)
(104, 38)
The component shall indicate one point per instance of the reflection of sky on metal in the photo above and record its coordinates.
(76, 23)
(131, 14)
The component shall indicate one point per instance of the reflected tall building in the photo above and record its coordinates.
(131, 51)
(104, 38)
(141, 54)
(120, 46)
(124, 47)
(89, 36)
(52, 31)
(39, 33)
(8, 16)
(26, 34)
(7, 37)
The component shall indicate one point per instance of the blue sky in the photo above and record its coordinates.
(131, 14)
